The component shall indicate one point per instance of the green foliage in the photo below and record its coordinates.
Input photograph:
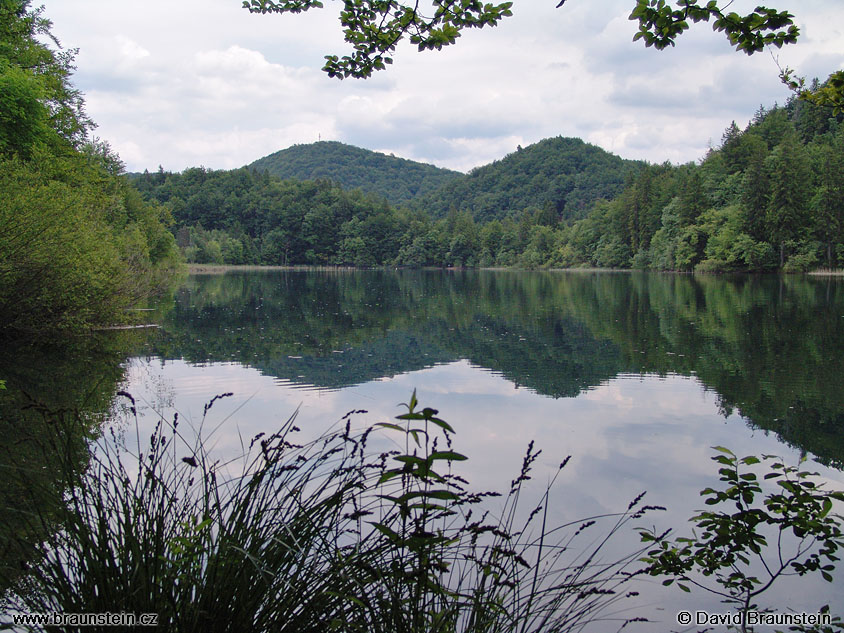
(39, 105)
(374, 28)
(247, 217)
(659, 25)
(23, 116)
(755, 540)
(804, 259)
(830, 95)
(765, 200)
(66, 261)
(397, 180)
(77, 244)
(827, 203)
(560, 177)
(769, 199)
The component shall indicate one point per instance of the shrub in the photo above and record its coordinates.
(749, 541)
(805, 259)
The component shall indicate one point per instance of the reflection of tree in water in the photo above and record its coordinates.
(771, 347)
(53, 395)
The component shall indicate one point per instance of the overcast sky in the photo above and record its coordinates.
(184, 83)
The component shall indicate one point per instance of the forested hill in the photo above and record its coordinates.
(564, 176)
(398, 180)
(771, 197)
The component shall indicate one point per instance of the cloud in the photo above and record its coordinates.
(131, 50)
(205, 82)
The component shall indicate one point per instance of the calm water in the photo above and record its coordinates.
(636, 376)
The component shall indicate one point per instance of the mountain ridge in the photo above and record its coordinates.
(398, 180)
(565, 174)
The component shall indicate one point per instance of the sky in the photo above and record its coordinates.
(186, 83)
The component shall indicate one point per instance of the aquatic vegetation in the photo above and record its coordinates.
(320, 535)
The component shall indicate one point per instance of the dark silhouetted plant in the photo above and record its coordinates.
(756, 535)
(325, 535)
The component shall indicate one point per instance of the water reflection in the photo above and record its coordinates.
(630, 434)
(771, 348)
(636, 376)
(56, 399)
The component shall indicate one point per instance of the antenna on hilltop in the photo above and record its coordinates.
(319, 136)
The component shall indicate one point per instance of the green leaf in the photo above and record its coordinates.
(391, 426)
(447, 455)
(387, 532)
(390, 474)
(442, 424)
(827, 506)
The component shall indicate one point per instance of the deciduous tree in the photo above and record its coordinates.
(375, 27)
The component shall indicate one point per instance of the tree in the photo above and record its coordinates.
(828, 202)
(77, 244)
(788, 204)
(828, 95)
(755, 186)
(375, 27)
(39, 104)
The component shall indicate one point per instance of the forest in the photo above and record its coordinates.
(396, 179)
(79, 246)
(769, 197)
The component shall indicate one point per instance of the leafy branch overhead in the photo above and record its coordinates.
(659, 24)
(828, 95)
(375, 27)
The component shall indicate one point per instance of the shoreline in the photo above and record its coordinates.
(221, 269)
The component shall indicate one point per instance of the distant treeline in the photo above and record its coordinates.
(770, 197)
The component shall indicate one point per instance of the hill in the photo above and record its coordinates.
(563, 175)
(398, 180)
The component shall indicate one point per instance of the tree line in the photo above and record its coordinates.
(770, 197)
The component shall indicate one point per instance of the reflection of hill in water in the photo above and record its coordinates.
(770, 347)
(396, 353)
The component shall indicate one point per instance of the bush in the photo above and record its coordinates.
(791, 530)
(805, 259)
(712, 266)
(73, 253)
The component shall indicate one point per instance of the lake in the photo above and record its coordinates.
(634, 375)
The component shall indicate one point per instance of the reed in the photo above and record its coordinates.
(324, 535)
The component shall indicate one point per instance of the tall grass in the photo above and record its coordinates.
(324, 535)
